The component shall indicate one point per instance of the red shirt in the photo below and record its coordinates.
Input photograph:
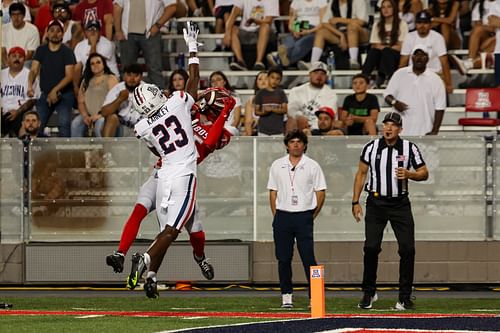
(43, 18)
(85, 12)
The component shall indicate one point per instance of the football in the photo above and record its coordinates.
(212, 102)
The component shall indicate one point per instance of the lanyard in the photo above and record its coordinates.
(292, 177)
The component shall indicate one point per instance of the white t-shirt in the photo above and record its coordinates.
(487, 5)
(258, 9)
(403, 31)
(67, 34)
(154, 10)
(424, 94)
(170, 132)
(436, 47)
(219, 3)
(495, 10)
(104, 47)
(307, 178)
(13, 89)
(308, 10)
(27, 37)
(127, 115)
(305, 99)
(359, 10)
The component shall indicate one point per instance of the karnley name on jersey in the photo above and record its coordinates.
(157, 115)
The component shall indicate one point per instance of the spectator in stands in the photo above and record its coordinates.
(306, 99)
(407, 11)
(221, 11)
(177, 81)
(386, 39)
(271, 105)
(19, 33)
(350, 17)
(444, 20)
(30, 126)
(219, 80)
(254, 28)
(96, 10)
(55, 63)
(93, 43)
(360, 110)
(436, 48)
(250, 122)
(305, 19)
(44, 16)
(494, 21)
(117, 106)
(13, 90)
(418, 94)
(5, 11)
(482, 36)
(194, 9)
(72, 32)
(98, 80)
(141, 31)
(327, 125)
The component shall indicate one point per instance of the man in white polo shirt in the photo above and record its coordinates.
(418, 94)
(296, 193)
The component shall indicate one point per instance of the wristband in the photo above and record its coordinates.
(354, 203)
(194, 60)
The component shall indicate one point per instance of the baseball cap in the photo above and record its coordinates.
(423, 17)
(394, 117)
(318, 66)
(17, 49)
(325, 109)
(93, 24)
(421, 47)
(56, 23)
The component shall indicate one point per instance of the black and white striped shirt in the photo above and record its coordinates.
(383, 160)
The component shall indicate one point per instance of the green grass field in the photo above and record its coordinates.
(169, 302)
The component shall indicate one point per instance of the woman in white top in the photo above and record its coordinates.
(386, 39)
(97, 81)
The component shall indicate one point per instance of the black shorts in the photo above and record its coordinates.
(221, 10)
(497, 69)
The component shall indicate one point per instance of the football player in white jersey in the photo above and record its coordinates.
(168, 133)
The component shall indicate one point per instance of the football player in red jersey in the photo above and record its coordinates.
(209, 136)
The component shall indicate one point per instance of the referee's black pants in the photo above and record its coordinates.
(286, 228)
(398, 212)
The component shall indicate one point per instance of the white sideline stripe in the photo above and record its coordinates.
(89, 316)
(353, 329)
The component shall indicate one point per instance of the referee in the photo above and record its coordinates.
(389, 160)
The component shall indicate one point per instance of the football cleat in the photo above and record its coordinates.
(138, 268)
(206, 267)
(116, 260)
(151, 288)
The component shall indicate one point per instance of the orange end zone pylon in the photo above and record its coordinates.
(317, 291)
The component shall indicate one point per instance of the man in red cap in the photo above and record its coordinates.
(327, 125)
(13, 91)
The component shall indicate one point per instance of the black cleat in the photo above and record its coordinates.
(206, 267)
(116, 260)
(151, 288)
(138, 268)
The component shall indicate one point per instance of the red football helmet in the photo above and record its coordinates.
(211, 102)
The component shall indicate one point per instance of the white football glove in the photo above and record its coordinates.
(191, 36)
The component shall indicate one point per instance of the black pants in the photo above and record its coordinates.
(385, 60)
(398, 212)
(286, 228)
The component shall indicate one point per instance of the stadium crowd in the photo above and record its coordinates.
(80, 59)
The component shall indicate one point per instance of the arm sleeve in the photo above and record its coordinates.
(407, 45)
(439, 94)
(319, 178)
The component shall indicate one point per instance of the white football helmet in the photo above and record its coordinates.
(148, 99)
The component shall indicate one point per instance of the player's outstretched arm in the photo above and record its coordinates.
(191, 37)
(215, 132)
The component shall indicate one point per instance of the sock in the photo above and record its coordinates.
(197, 240)
(218, 42)
(131, 228)
(353, 53)
(316, 54)
(147, 259)
(152, 275)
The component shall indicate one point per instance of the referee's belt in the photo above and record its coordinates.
(377, 196)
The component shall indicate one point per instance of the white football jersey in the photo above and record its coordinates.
(170, 132)
(14, 89)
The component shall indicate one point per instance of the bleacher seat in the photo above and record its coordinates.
(483, 100)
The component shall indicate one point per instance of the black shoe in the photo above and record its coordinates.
(367, 301)
(206, 267)
(405, 304)
(116, 260)
(238, 66)
(151, 288)
(138, 268)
